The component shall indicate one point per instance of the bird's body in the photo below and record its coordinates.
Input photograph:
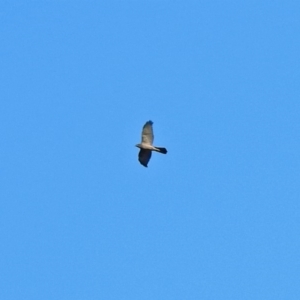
(146, 145)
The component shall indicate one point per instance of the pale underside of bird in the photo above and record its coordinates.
(146, 145)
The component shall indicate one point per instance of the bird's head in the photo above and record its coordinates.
(138, 145)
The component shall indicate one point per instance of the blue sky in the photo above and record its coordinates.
(217, 217)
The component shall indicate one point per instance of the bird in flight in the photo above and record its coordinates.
(146, 145)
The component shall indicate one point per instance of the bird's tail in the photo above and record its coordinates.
(161, 150)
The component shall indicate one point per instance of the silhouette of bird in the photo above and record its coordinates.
(146, 145)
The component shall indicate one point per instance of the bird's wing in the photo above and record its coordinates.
(144, 156)
(147, 133)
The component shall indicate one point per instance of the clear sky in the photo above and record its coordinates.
(218, 217)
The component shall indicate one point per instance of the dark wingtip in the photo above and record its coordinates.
(148, 123)
(162, 150)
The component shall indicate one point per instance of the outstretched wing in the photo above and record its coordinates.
(144, 157)
(147, 133)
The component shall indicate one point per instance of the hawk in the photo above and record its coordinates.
(146, 145)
